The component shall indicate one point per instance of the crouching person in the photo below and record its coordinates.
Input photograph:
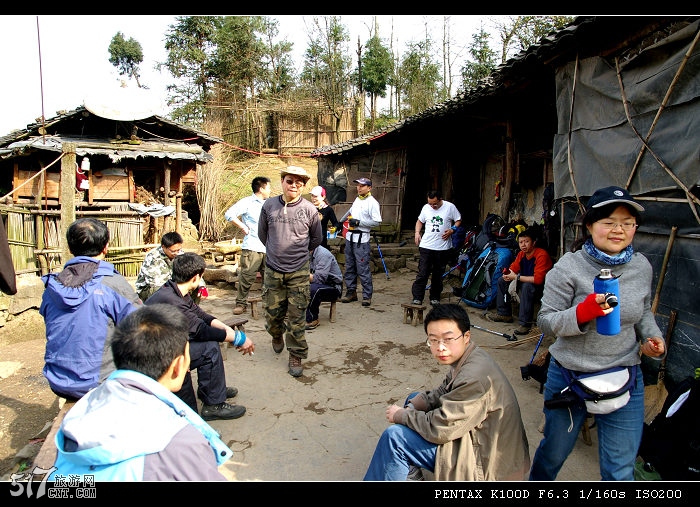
(467, 429)
(132, 427)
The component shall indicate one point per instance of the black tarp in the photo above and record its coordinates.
(603, 148)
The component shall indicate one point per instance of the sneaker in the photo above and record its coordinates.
(366, 302)
(522, 330)
(415, 473)
(239, 309)
(295, 368)
(231, 392)
(222, 411)
(495, 317)
(278, 345)
(434, 302)
(417, 302)
(348, 297)
(312, 325)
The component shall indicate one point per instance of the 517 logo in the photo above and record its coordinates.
(28, 486)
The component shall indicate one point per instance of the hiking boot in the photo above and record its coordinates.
(434, 302)
(366, 302)
(222, 411)
(231, 392)
(348, 297)
(239, 309)
(417, 302)
(295, 368)
(312, 325)
(278, 344)
(522, 330)
(496, 317)
(415, 474)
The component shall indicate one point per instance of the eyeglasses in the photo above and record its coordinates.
(611, 226)
(296, 183)
(175, 252)
(433, 343)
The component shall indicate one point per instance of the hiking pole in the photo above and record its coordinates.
(382, 258)
(506, 336)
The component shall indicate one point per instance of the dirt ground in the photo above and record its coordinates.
(322, 426)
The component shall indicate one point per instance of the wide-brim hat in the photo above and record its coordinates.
(363, 181)
(296, 171)
(609, 195)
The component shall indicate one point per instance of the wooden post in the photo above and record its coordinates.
(166, 193)
(68, 167)
(178, 212)
(511, 173)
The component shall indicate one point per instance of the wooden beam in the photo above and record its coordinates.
(67, 193)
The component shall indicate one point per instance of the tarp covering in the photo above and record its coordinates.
(603, 146)
(594, 131)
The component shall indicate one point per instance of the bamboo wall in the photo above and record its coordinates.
(35, 239)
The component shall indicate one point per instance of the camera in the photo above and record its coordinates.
(611, 299)
(562, 400)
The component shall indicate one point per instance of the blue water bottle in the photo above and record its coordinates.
(606, 283)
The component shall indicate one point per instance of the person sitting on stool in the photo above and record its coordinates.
(529, 269)
(326, 283)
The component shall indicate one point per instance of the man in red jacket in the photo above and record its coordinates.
(528, 269)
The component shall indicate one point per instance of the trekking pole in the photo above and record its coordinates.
(382, 258)
(506, 336)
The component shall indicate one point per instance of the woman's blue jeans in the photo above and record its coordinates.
(619, 433)
(398, 448)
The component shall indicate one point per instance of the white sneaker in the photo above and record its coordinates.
(417, 301)
(414, 474)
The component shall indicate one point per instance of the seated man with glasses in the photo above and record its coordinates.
(467, 429)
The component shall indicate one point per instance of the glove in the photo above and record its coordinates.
(354, 222)
(588, 309)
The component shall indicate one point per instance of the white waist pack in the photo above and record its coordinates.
(603, 391)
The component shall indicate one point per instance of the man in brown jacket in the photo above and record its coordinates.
(467, 429)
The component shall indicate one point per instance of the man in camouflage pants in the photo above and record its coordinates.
(289, 228)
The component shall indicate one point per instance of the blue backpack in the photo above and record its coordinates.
(480, 285)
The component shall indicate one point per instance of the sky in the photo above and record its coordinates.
(58, 62)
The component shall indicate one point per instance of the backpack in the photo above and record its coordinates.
(671, 443)
(480, 285)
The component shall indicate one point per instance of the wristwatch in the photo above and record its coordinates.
(517, 278)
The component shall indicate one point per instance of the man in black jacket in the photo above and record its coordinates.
(205, 334)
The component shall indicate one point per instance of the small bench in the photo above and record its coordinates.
(412, 314)
(237, 323)
(331, 315)
(253, 302)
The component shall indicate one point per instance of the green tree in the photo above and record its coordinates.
(420, 76)
(126, 56)
(277, 61)
(519, 33)
(377, 65)
(327, 64)
(191, 46)
(482, 63)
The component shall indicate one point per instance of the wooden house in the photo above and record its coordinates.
(93, 162)
(609, 100)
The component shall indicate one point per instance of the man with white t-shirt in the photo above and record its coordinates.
(441, 218)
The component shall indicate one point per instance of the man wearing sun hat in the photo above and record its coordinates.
(363, 215)
(289, 228)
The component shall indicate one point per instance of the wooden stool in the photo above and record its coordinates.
(237, 323)
(331, 315)
(412, 313)
(253, 302)
(586, 429)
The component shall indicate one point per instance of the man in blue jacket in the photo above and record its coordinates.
(81, 305)
(132, 427)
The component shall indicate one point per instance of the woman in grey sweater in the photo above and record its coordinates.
(569, 311)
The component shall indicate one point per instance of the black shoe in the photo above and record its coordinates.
(222, 411)
(366, 302)
(278, 345)
(434, 302)
(348, 297)
(417, 302)
(231, 392)
(522, 330)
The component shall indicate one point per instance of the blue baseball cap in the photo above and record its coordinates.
(363, 181)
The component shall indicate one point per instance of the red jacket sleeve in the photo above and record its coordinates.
(543, 263)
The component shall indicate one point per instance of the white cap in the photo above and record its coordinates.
(318, 191)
